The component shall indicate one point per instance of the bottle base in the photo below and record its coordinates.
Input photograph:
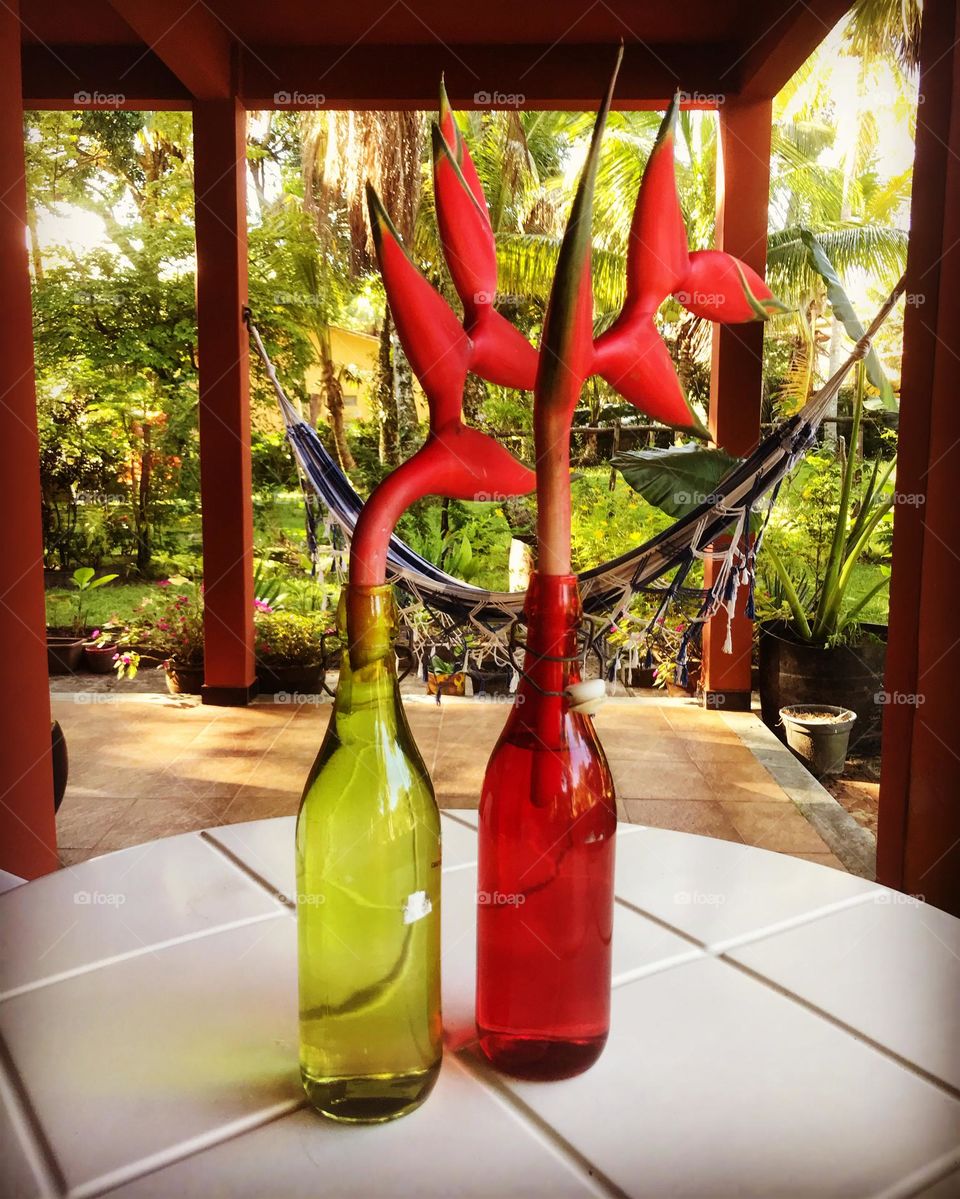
(540, 1059)
(369, 1098)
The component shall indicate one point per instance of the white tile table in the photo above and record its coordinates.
(779, 1030)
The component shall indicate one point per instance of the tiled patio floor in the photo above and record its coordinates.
(147, 766)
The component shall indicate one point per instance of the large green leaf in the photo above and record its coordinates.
(675, 480)
(844, 312)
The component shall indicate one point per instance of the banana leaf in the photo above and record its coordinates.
(844, 312)
(675, 480)
(679, 479)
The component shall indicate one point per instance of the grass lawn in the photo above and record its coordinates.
(113, 600)
(864, 577)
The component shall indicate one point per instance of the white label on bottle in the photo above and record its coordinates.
(417, 906)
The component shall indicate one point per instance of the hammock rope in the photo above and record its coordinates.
(606, 590)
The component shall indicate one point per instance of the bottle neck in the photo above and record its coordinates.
(553, 613)
(367, 625)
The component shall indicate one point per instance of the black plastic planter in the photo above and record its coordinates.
(848, 676)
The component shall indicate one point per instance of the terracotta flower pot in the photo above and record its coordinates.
(446, 684)
(64, 654)
(99, 659)
(183, 680)
(692, 687)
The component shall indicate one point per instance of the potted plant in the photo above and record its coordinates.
(813, 646)
(444, 678)
(489, 674)
(169, 627)
(290, 649)
(628, 638)
(676, 677)
(100, 651)
(65, 648)
(488, 669)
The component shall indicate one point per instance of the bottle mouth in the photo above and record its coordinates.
(369, 621)
(551, 591)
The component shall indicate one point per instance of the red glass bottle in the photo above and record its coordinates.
(545, 875)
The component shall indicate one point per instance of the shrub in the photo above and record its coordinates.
(290, 638)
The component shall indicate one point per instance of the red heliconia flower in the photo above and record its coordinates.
(455, 460)
(500, 352)
(631, 355)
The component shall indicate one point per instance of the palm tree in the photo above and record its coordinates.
(887, 27)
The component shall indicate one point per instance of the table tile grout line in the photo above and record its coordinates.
(30, 1133)
(916, 1184)
(141, 951)
(658, 967)
(459, 866)
(664, 924)
(719, 954)
(183, 1150)
(858, 1034)
(786, 925)
(595, 1178)
(463, 823)
(208, 837)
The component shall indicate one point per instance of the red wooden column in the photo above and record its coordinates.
(28, 843)
(743, 191)
(219, 150)
(918, 846)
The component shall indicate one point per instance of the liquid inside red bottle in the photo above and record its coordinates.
(546, 856)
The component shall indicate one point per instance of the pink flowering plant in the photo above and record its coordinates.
(167, 624)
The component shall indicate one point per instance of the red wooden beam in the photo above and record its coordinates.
(562, 76)
(106, 77)
(186, 36)
(918, 847)
(225, 486)
(794, 30)
(28, 844)
(736, 379)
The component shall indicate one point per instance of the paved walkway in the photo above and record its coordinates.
(144, 766)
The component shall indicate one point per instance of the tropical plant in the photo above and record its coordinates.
(84, 581)
(817, 608)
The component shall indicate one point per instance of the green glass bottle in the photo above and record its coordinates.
(368, 891)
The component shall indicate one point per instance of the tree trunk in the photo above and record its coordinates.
(474, 395)
(142, 522)
(36, 255)
(408, 423)
(333, 394)
(386, 398)
(315, 402)
(590, 453)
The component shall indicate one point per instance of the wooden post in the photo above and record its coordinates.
(28, 843)
(918, 847)
(736, 379)
(219, 147)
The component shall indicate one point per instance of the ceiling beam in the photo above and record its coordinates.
(189, 39)
(561, 76)
(796, 28)
(98, 77)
